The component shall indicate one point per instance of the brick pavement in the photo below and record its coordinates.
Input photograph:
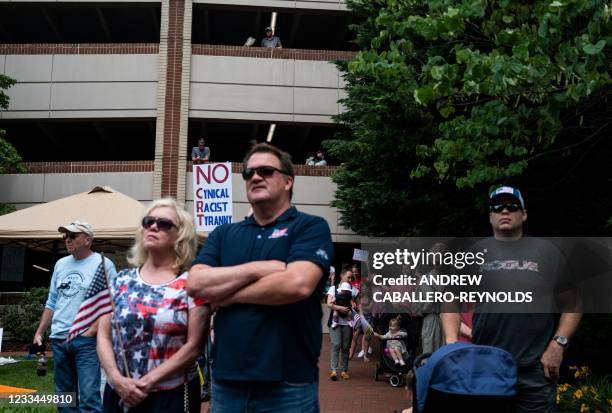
(360, 394)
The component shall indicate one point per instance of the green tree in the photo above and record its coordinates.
(9, 158)
(21, 321)
(447, 97)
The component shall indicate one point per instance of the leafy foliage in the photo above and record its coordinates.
(5, 83)
(448, 97)
(586, 347)
(7, 209)
(587, 394)
(9, 158)
(21, 321)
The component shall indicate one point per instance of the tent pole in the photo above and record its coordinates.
(53, 253)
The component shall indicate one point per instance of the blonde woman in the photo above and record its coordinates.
(155, 325)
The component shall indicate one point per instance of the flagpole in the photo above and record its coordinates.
(126, 371)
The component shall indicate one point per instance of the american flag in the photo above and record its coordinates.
(361, 321)
(97, 302)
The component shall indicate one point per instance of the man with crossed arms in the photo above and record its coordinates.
(266, 274)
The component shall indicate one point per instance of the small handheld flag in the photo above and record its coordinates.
(97, 302)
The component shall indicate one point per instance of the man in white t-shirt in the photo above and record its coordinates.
(76, 364)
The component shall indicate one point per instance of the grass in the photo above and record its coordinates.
(28, 409)
(23, 374)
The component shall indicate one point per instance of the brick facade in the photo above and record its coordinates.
(87, 167)
(79, 49)
(301, 170)
(154, 48)
(271, 53)
(145, 166)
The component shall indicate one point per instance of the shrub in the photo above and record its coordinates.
(21, 321)
(587, 348)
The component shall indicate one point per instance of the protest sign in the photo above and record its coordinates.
(360, 255)
(212, 195)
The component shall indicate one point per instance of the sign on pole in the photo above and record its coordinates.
(212, 195)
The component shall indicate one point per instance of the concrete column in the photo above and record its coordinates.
(185, 88)
(173, 99)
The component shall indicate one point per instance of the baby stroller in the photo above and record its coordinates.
(386, 365)
(468, 377)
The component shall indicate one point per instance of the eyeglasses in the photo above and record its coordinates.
(163, 224)
(500, 207)
(71, 235)
(263, 171)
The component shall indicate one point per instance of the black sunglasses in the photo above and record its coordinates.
(500, 207)
(263, 171)
(70, 235)
(163, 224)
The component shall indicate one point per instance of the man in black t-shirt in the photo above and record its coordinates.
(536, 339)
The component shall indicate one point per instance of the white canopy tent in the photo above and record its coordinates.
(112, 215)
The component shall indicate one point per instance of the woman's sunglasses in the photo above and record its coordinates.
(163, 224)
(510, 207)
(263, 171)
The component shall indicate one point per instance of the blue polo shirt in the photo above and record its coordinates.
(269, 343)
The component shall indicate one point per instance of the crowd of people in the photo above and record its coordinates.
(146, 325)
(258, 276)
(355, 320)
(535, 341)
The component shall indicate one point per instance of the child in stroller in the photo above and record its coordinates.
(395, 346)
(395, 356)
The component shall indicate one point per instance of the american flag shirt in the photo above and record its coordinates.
(152, 320)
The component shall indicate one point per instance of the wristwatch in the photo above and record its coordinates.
(561, 340)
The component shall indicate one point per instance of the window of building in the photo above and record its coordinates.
(79, 23)
(78, 140)
(230, 141)
(299, 29)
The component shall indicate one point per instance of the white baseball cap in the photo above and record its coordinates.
(76, 227)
